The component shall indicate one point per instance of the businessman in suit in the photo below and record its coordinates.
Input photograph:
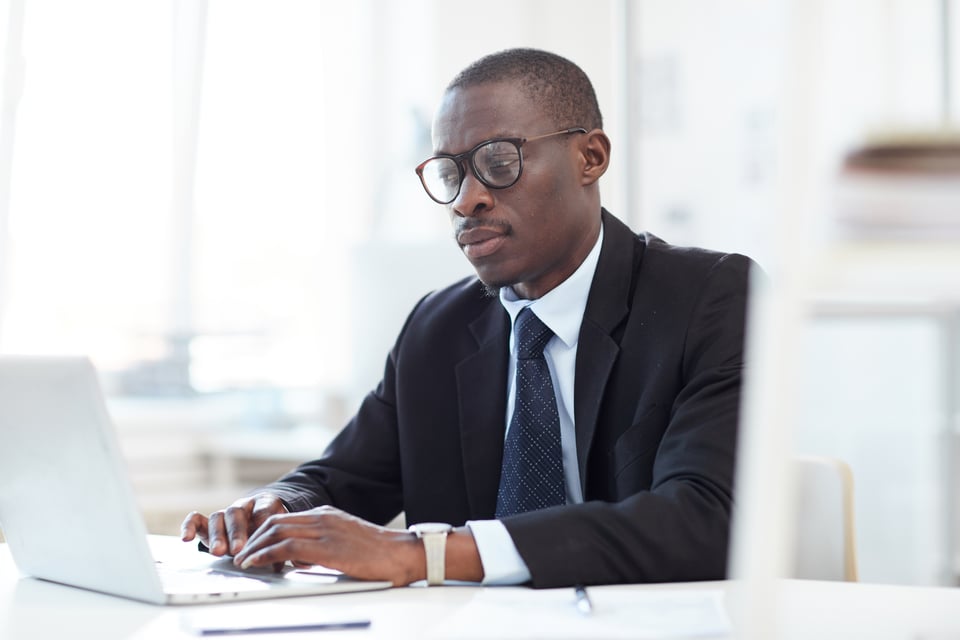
(630, 447)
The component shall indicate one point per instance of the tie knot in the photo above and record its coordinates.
(532, 335)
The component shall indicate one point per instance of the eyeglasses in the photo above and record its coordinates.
(496, 163)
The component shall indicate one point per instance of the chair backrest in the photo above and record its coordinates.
(824, 547)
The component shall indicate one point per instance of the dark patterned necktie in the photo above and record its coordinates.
(532, 473)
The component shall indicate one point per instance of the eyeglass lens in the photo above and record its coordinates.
(497, 165)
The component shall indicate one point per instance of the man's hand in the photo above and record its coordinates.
(225, 532)
(338, 540)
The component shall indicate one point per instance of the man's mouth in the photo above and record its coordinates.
(480, 242)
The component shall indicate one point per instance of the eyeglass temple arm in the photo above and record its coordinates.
(557, 133)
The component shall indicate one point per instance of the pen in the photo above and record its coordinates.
(584, 605)
(277, 628)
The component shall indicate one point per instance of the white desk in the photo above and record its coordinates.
(31, 609)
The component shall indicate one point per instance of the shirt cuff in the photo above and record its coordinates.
(501, 561)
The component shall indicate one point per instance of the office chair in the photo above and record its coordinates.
(824, 547)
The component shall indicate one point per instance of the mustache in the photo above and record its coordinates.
(466, 224)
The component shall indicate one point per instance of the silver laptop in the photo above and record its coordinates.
(68, 511)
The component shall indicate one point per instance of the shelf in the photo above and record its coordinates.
(903, 276)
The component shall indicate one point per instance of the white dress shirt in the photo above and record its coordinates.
(561, 309)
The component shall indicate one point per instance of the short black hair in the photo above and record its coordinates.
(555, 84)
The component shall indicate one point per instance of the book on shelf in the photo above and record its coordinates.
(900, 186)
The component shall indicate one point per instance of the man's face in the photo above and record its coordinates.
(534, 234)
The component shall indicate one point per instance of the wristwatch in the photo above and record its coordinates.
(434, 536)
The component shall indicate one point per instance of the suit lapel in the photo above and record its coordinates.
(481, 387)
(597, 350)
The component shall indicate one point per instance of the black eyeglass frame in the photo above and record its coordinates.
(467, 157)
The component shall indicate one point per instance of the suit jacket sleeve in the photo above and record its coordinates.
(406, 448)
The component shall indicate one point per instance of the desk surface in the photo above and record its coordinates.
(32, 609)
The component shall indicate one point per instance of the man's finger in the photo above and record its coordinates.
(263, 508)
(307, 525)
(194, 525)
(272, 553)
(277, 541)
(217, 534)
(238, 525)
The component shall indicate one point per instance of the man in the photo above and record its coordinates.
(611, 462)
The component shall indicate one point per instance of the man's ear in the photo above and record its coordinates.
(595, 155)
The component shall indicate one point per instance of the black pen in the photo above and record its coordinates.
(584, 605)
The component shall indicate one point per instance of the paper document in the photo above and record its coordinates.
(617, 613)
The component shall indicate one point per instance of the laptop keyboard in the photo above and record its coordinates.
(207, 580)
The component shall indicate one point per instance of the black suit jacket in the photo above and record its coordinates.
(656, 399)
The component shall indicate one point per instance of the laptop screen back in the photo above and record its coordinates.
(66, 505)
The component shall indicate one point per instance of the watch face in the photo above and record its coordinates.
(431, 527)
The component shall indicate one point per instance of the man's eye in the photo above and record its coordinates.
(449, 178)
(443, 171)
(502, 165)
(502, 174)
(502, 161)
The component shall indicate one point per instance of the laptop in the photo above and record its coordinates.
(67, 507)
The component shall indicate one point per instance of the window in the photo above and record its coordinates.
(189, 181)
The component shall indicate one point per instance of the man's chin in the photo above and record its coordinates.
(491, 284)
(491, 287)
(492, 291)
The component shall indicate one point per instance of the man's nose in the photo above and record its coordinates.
(474, 197)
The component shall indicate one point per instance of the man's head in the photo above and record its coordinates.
(554, 84)
(531, 233)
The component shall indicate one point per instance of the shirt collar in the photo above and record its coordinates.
(562, 307)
